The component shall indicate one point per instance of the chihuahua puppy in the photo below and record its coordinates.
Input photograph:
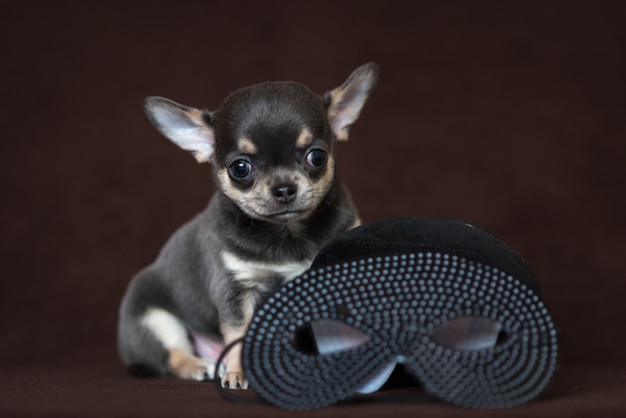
(278, 201)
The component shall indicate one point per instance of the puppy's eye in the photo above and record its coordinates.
(316, 158)
(240, 169)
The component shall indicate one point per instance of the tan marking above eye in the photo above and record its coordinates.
(304, 139)
(246, 146)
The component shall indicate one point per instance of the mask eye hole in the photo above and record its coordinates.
(240, 169)
(316, 157)
(327, 336)
(469, 333)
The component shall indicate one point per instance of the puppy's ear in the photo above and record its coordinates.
(345, 102)
(187, 127)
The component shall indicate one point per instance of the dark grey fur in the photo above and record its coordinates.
(188, 278)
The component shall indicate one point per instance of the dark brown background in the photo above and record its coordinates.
(510, 116)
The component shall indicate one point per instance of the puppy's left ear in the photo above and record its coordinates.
(187, 127)
(345, 102)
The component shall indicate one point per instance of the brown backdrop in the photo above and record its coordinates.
(510, 116)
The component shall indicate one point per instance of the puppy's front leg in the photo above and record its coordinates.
(232, 330)
(234, 377)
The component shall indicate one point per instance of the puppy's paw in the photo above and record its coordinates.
(235, 380)
(186, 366)
(200, 373)
(195, 370)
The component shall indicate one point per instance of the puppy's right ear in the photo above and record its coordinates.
(187, 127)
(345, 102)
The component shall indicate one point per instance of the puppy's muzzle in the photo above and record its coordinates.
(285, 192)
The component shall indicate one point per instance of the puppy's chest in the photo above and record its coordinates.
(260, 275)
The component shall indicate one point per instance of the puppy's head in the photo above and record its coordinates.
(271, 144)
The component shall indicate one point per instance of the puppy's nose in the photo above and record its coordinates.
(285, 193)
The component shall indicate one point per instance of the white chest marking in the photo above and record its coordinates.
(245, 270)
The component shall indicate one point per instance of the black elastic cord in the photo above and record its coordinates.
(217, 380)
